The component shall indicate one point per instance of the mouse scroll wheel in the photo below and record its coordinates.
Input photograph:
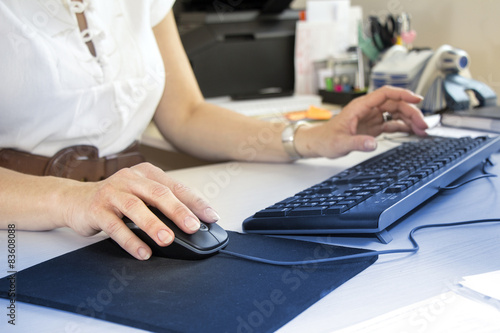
(203, 227)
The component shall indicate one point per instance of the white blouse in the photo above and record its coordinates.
(54, 93)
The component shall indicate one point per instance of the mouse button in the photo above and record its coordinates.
(176, 251)
(201, 241)
(218, 232)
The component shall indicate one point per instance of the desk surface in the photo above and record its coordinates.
(237, 190)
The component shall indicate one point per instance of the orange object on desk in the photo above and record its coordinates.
(312, 113)
(317, 113)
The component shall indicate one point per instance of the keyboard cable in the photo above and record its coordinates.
(484, 175)
(411, 237)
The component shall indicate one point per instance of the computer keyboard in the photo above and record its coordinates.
(369, 197)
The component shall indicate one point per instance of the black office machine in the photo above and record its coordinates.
(239, 48)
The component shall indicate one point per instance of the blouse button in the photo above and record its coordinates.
(87, 35)
(78, 6)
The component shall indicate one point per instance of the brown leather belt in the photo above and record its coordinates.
(77, 162)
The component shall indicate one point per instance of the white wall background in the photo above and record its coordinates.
(472, 25)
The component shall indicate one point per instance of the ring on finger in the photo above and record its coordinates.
(386, 116)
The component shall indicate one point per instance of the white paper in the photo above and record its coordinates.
(326, 10)
(326, 33)
(487, 284)
(448, 312)
(452, 132)
(355, 18)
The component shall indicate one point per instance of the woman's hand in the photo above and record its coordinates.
(92, 207)
(359, 122)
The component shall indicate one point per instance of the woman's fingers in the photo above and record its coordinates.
(128, 192)
(357, 125)
(195, 203)
(114, 227)
(387, 93)
(408, 113)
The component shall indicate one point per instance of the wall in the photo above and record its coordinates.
(473, 26)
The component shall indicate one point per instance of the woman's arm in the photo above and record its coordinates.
(44, 203)
(211, 132)
(202, 129)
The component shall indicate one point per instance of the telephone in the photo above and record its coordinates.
(446, 83)
(441, 76)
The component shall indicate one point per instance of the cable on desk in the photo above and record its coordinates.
(411, 237)
(485, 174)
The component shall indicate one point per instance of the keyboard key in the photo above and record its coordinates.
(395, 188)
(326, 190)
(336, 209)
(348, 203)
(372, 189)
(272, 212)
(306, 211)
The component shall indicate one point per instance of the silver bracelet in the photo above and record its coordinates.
(288, 139)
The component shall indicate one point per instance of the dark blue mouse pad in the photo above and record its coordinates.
(218, 294)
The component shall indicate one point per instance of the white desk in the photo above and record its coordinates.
(237, 190)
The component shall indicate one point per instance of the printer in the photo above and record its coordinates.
(239, 48)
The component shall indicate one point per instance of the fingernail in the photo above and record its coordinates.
(143, 253)
(191, 223)
(370, 144)
(165, 237)
(212, 215)
(419, 96)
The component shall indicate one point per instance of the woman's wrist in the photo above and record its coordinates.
(302, 141)
(288, 139)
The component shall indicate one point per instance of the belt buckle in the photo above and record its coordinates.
(73, 162)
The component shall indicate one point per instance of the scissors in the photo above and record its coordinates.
(384, 35)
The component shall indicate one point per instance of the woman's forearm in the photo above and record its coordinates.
(31, 202)
(219, 134)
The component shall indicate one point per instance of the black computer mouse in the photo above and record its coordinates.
(207, 241)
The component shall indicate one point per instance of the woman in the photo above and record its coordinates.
(82, 81)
